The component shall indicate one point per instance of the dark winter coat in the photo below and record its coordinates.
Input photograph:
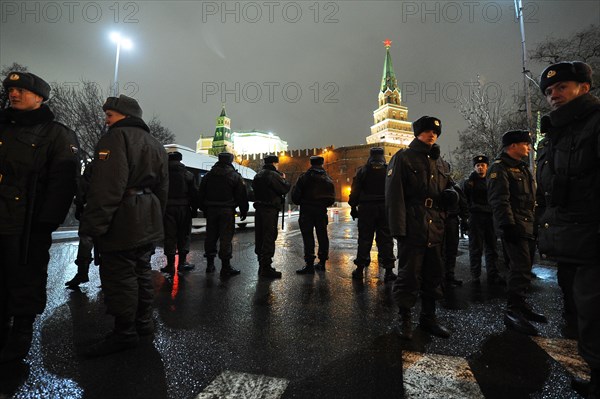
(223, 187)
(511, 195)
(314, 188)
(269, 188)
(39, 166)
(368, 185)
(183, 190)
(475, 189)
(568, 177)
(128, 190)
(415, 180)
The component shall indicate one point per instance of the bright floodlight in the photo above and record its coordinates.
(115, 37)
(121, 42)
(126, 44)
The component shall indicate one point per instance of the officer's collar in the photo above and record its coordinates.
(511, 161)
(575, 109)
(130, 121)
(42, 114)
(419, 146)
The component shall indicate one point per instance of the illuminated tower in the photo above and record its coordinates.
(390, 119)
(222, 139)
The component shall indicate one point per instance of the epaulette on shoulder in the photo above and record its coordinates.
(62, 124)
(498, 161)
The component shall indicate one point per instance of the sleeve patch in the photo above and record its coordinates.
(389, 172)
(103, 155)
(493, 175)
(74, 149)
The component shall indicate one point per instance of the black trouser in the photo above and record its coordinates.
(314, 219)
(372, 222)
(566, 277)
(420, 270)
(587, 301)
(178, 230)
(23, 286)
(126, 278)
(519, 275)
(265, 234)
(482, 236)
(450, 249)
(220, 226)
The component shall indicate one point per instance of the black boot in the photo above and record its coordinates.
(389, 275)
(357, 274)
(170, 267)
(320, 266)
(184, 265)
(210, 264)
(123, 337)
(269, 272)
(515, 320)
(83, 268)
(227, 270)
(309, 268)
(428, 322)
(19, 339)
(405, 329)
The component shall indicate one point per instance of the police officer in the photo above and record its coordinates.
(270, 188)
(222, 189)
(511, 195)
(481, 223)
(177, 220)
(568, 177)
(314, 192)
(38, 176)
(418, 191)
(367, 202)
(124, 215)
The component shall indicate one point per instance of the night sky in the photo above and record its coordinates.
(309, 71)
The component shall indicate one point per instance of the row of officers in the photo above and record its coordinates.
(134, 196)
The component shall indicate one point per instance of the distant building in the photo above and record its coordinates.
(258, 142)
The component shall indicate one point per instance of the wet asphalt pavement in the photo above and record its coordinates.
(321, 336)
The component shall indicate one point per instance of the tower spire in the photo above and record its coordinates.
(388, 81)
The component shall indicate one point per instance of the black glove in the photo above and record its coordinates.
(512, 232)
(354, 213)
(449, 198)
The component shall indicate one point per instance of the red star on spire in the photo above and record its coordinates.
(387, 43)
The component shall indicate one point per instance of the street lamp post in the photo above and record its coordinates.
(126, 43)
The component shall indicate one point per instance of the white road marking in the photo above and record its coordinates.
(428, 375)
(565, 352)
(234, 385)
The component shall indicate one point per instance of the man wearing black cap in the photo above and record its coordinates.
(511, 194)
(314, 192)
(38, 174)
(124, 215)
(270, 188)
(481, 223)
(222, 189)
(182, 198)
(568, 177)
(367, 199)
(418, 191)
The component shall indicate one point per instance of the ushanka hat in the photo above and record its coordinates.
(226, 157)
(317, 160)
(426, 123)
(28, 81)
(480, 159)
(270, 159)
(515, 136)
(564, 71)
(124, 105)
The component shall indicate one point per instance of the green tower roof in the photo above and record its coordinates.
(223, 111)
(388, 81)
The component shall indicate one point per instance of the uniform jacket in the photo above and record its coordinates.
(568, 176)
(128, 189)
(269, 188)
(475, 189)
(223, 187)
(368, 185)
(314, 188)
(39, 168)
(183, 190)
(511, 193)
(415, 180)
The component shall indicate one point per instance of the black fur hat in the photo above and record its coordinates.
(564, 71)
(480, 159)
(175, 156)
(515, 136)
(270, 159)
(28, 81)
(317, 160)
(425, 123)
(226, 157)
